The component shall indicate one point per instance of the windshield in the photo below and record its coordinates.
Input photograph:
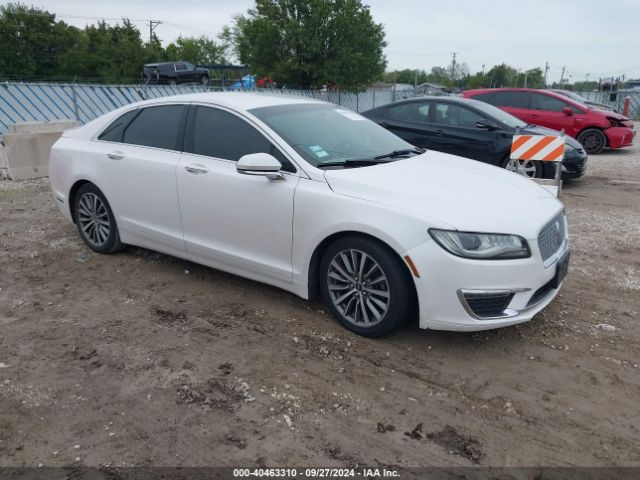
(498, 114)
(323, 133)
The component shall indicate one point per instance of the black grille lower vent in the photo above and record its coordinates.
(541, 292)
(485, 305)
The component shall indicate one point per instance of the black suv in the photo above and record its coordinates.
(471, 129)
(174, 73)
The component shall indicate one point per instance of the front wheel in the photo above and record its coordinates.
(95, 220)
(365, 286)
(528, 168)
(593, 140)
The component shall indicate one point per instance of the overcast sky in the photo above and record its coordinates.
(587, 36)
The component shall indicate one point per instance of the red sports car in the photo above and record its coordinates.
(595, 129)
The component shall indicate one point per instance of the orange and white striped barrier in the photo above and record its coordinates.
(547, 148)
(544, 148)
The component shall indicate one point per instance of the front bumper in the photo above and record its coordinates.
(445, 277)
(574, 164)
(618, 137)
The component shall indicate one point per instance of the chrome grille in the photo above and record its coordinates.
(552, 236)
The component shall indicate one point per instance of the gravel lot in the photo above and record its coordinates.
(143, 359)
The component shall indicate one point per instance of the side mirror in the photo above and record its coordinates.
(260, 164)
(567, 111)
(487, 124)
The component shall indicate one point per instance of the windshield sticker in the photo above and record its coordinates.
(318, 151)
(350, 115)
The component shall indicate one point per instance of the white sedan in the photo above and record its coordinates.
(316, 199)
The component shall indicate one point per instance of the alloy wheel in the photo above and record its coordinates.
(93, 218)
(592, 142)
(526, 168)
(358, 288)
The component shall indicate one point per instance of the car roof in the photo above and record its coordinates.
(437, 98)
(550, 93)
(241, 101)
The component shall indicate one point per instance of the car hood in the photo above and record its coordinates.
(458, 193)
(538, 130)
(609, 113)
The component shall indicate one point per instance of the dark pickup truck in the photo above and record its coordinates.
(174, 73)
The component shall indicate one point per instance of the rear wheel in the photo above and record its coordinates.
(95, 220)
(528, 168)
(365, 286)
(593, 140)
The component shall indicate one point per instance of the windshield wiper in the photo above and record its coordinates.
(400, 153)
(354, 162)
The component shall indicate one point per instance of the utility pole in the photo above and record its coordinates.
(562, 78)
(453, 69)
(152, 26)
(546, 70)
(483, 69)
(586, 79)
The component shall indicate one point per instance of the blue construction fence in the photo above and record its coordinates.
(24, 102)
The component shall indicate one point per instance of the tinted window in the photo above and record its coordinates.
(545, 102)
(454, 115)
(409, 112)
(180, 66)
(113, 133)
(220, 134)
(156, 127)
(484, 97)
(511, 99)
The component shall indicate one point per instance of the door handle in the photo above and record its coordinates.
(533, 115)
(115, 155)
(385, 124)
(196, 169)
(439, 132)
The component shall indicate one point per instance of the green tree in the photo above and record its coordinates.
(33, 42)
(199, 51)
(311, 43)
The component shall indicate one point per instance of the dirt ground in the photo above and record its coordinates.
(143, 359)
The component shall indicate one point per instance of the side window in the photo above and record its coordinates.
(156, 127)
(455, 115)
(484, 97)
(548, 103)
(511, 99)
(113, 133)
(180, 67)
(220, 134)
(409, 112)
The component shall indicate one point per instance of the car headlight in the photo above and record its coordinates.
(485, 246)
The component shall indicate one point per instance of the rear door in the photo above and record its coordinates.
(409, 121)
(456, 132)
(138, 159)
(548, 112)
(514, 102)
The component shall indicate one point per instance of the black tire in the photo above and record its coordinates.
(102, 234)
(593, 140)
(399, 289)
(537, 173)
(205, 80)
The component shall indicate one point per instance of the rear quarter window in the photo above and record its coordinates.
(114, 132)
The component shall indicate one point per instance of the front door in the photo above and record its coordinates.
(549, 113)
(234, 222)
(456, 132)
